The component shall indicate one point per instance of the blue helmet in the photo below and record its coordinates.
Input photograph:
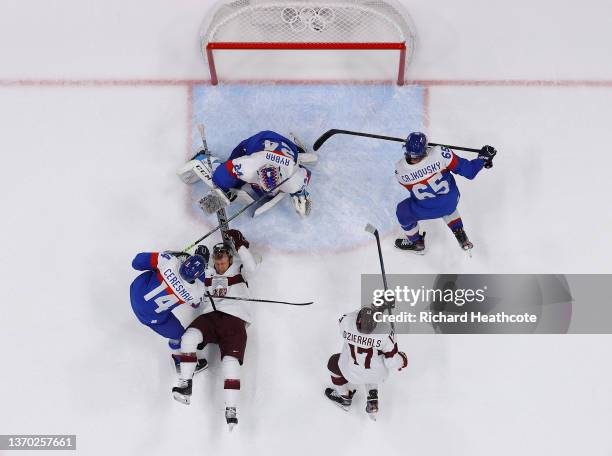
(192, 268)
(415, 146)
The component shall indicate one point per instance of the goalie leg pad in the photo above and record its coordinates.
(187, 174)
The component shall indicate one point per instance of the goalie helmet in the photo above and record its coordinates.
(192, 268)
(269, 177)
(365, 320)
(415, 147)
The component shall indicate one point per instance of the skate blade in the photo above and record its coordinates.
(414, 252)
(340, 406)
(344, 408)
(200, 370)
(231, 426)
(372, 416)
(186, 400)
(468, 252)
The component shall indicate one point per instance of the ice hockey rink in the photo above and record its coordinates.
(98, 102)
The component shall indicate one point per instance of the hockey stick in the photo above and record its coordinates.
(329, 133)
(214, 230)
(236, 298)
(371, 229)
(221, 215)
(265, 207)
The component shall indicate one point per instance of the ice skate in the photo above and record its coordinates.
(463, 241)
(201, 365)
(344, 402)
(417, 247)
(231, 417)
(372, 404)
(182, 392)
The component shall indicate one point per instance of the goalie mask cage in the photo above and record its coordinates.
(308, 25)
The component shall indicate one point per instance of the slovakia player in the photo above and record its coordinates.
(222, 322)
(166, 283)
(366, 359)
(268, 161)
(426, 173)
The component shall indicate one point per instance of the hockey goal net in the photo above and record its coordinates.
(309, 25)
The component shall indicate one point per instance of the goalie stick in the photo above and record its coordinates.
(265, 207)
(221, 214)
(214, 230)
(329, 133)
(371, 229)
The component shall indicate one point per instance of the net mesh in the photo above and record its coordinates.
(309, 21)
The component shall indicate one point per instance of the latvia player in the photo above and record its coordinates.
(366, 359)
(222, 322)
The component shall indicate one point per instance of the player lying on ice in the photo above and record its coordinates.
(366, 359)
(170, 279)
(222, 322)
(426, 173)
(267, 161)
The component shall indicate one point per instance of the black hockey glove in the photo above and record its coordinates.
(487, 153)
(203, 251)
(238, 239)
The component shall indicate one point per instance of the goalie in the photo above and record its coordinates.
(267, 161)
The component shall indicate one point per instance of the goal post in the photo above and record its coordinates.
(309, 25)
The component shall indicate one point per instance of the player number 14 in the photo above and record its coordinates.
(164, 301)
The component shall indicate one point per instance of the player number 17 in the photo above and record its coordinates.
(369, 352)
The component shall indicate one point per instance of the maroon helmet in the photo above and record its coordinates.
(365, 320)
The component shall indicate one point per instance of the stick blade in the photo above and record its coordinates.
(324, 137)
(371, 229)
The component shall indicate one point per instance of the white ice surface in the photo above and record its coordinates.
(87, 180)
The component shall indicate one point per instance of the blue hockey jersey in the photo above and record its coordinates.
(160, 289)
(431, 185)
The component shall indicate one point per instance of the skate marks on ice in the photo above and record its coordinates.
(353, 179)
